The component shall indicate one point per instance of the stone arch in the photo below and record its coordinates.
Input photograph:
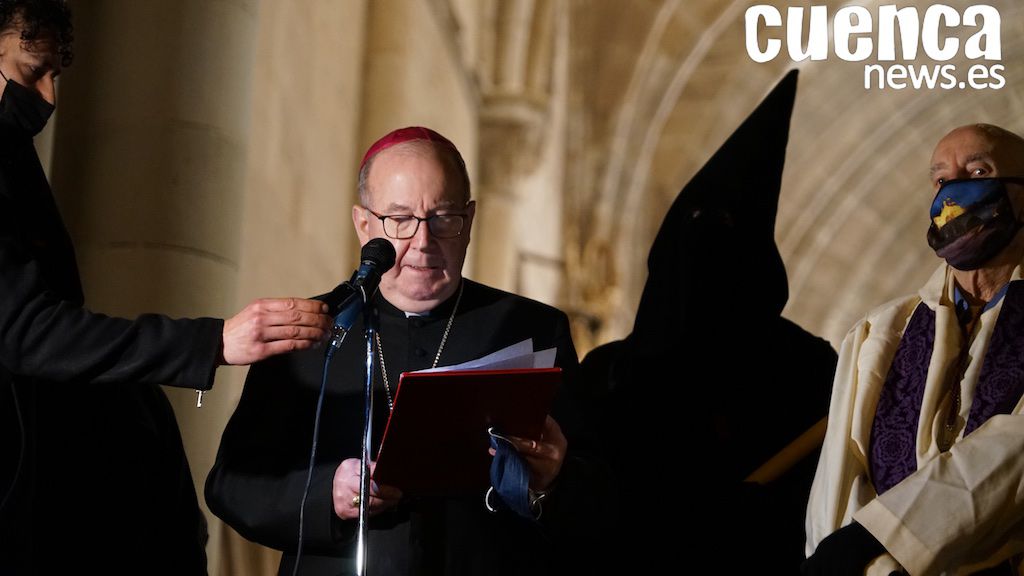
(853, 194)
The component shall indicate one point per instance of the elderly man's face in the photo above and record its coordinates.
(412, 179)
(977, 225)
(970, 152)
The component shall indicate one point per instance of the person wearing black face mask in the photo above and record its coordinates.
(29, 66)
(24, 108)
(85, 430)
(921, 470)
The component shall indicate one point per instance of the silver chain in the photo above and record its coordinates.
(437, 357)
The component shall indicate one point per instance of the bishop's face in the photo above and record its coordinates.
(413, 179)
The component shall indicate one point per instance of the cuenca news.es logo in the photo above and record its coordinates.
(854, 26)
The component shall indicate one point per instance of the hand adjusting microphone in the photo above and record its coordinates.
(376, 258)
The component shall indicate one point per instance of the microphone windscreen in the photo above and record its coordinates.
(380, 252)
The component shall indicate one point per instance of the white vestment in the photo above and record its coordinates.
(962, 509)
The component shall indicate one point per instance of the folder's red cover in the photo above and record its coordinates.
(436, 438)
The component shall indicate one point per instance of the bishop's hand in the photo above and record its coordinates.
(345, 492)
(544, 457)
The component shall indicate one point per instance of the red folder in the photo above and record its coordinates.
(436, 438)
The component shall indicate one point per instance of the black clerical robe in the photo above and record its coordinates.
(256, 483)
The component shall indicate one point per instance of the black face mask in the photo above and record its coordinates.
(23, 108)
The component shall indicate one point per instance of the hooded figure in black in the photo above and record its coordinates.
(713, 383)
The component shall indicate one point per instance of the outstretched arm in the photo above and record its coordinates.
(46, 337)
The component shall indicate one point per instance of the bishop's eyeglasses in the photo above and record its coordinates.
(405, 226)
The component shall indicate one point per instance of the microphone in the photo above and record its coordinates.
(376, 258)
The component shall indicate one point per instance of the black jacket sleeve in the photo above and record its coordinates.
(44, 336)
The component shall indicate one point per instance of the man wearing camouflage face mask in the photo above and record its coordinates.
(922, 466)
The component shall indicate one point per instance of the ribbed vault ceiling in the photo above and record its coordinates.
(659, 86)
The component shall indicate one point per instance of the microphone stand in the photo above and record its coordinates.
(370, 321)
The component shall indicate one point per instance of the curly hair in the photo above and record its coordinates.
(41, 18)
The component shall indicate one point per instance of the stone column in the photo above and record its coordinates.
(510, 138)
(416, 74)
(522, 129)
(149, 166)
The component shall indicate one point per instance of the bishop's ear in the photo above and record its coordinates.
(361, 221)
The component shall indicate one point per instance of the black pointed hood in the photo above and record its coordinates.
(715, 257)
(710, 358)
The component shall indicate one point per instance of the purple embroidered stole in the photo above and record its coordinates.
(893, 444)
